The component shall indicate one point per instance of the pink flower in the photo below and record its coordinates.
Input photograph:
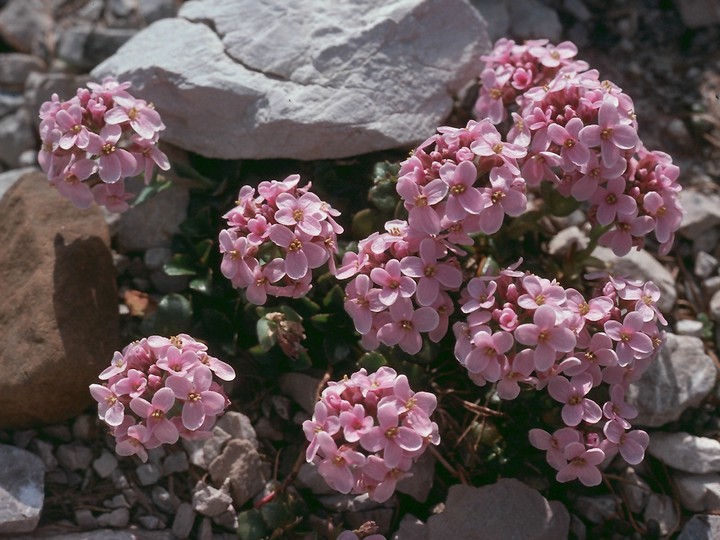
(505, 196)
(552, 56)
(301, 253)
(431, 273)
(133, 442)
(463, 198)
(117, 366)
(406, 324)
(572, 150)
(631, 444)
(540, 292)
(419, 200)
(393, 283)
(70, 123)
(304, 213)
(110, 408)
(582, 464)
(520, 369)
(155, 415)
(321, 421)
(355, 423)
(609, 134)
(488, 354)
(572, 393)
(390, 436)
(178, 362)
(554, 444)
(612, 201)
(482, 295)
(133, 385)
(199, 400)
(632, 342)
(143, 119)
(338, 464)
(362, 301)
(546, 336)
(112, 196)
(114, 163)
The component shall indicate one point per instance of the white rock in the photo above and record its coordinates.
(148, 473)
(705, 264)
(686, 452)
(74, 457)
(679, 378)
(702, 212)
(209, 501)
(701, 527)
(689, 327)
(715, 306)
(506, 509)
(635, 490)
(105, 464)
(698, 492)
(497, 15)
(21, 489)
(661, 509)
(411, 528)
(117, 518)
(319, 80)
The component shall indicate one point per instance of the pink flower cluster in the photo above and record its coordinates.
(160, 389)
(367, 430)
(276, 238)
(580, 134)
(95, 140)
(525, 330)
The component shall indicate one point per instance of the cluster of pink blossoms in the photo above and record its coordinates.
(580, 134)
(276, 238)
(95, 140)
(160, 389)
(367, 430)
(523, 329)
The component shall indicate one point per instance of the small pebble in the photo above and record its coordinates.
(83, 427)
(58, 476)
(148, 473)
(85, 519)
(131, 496)
(689, 327)
(59, 431)
(45, 451)
(105, 465)
(151, 522)
(210, 501)
(177, 462)
(23, 438)
(228, 519)
(120, 481)
(163, 500)
(705, 264)
(183, 522)
(205, 532)
(118, 501)
(117, 518)
(74, 456)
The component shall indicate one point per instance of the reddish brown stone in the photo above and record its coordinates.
(58, 304)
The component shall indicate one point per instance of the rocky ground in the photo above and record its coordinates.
(664, 54)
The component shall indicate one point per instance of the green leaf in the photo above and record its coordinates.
(190, 177)
(372, 361)
(251, 525)
(156, 186)
(290, 314)
(203, 284)
(181, 264)
(336, 350)
(276, 514)
(203, 249)
(323, 321)
(173, 315)
(267, 334)
(335, 298)
(366, 222)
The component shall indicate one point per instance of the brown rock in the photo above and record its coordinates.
(58, 304)
(241, 463)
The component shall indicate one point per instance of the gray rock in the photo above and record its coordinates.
(22, 489)
(418, 485)
(10, 102)
(698, 492)
(105, 465)
(151, 522)
(228, 520)
(698, 13)
(152, 223)
(58, 431)
(45, 449)
(715, 306)
(205, 531)
(154, 10)
(241, 463)
(689, 327)
(86, 46)
(702, 212)
(680, 377)
(577, 9)
(506, 509)
(530, 19)
(84, 427)
(711, 285)
(497, 16)
(661, 509)
(209, 501)
(635, 490)
(155, 258)
(118, 518)
(164, 500)
(118, 501)
(319, 81)
(85, 519)
(148, 473)
(302, 388)
(411, 528)
(183, 522)
(350, 503)
(16, 136)
(309, 477)
(705, 264)
(686, 452)
(701, 527)
(39, 87)
(27, 25)
(238, 426)
(177, 462)
(598, 508)
(641, 265)
(15, 69)
(74, 456)
(103, 534)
